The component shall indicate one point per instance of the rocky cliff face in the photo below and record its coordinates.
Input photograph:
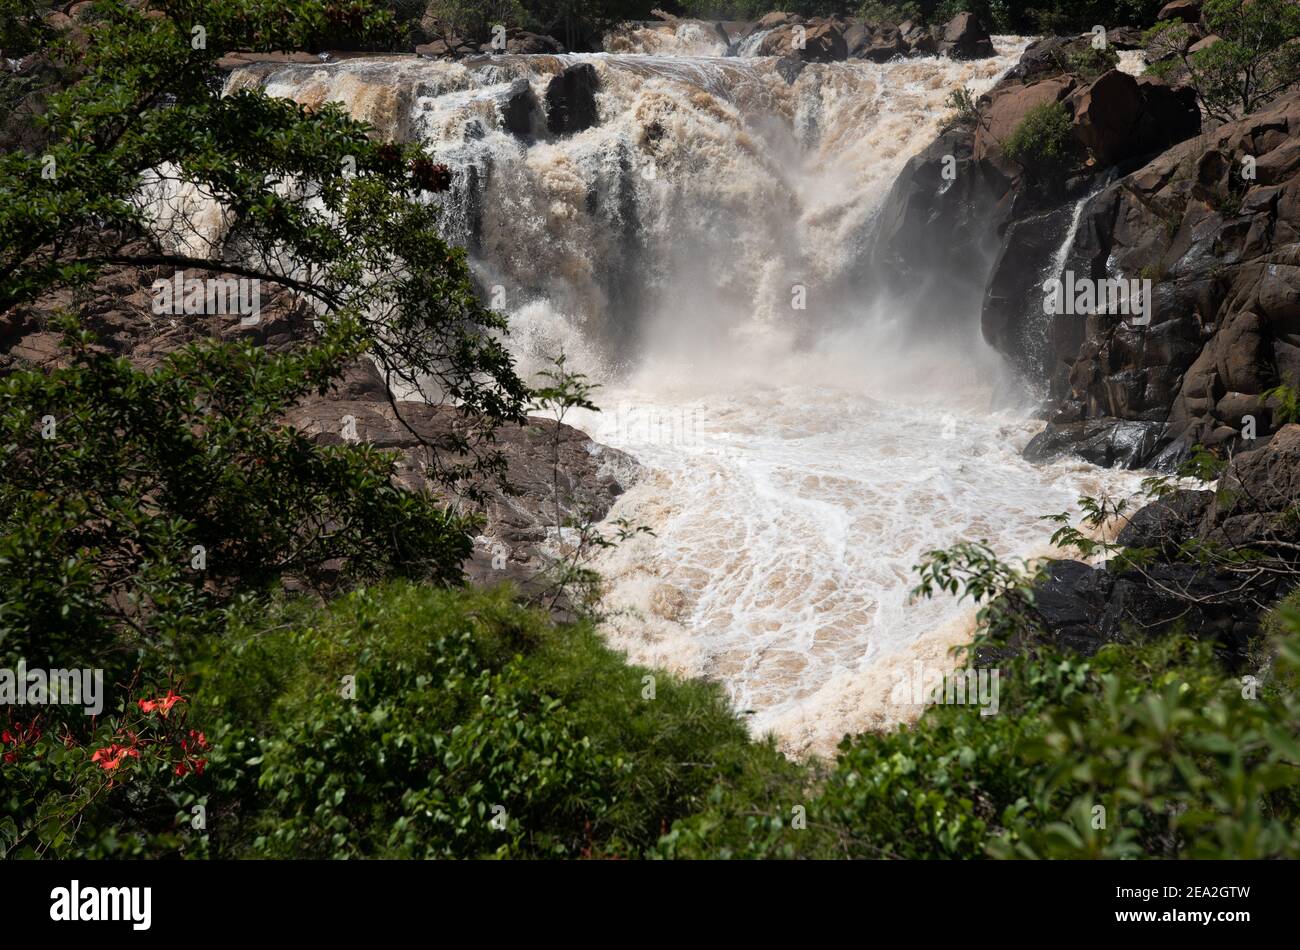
(1214, 225)
(1210, 220)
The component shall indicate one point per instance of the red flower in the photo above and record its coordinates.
(196, 741)
(18, 736)
(163, 704)
(111, 757)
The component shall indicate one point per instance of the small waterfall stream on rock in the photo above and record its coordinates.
(798, 461)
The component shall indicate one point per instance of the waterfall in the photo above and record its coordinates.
(699, 251)
(709, 190)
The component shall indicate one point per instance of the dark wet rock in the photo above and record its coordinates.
(519, 109)
(571, 100)
(1105, 442)
(1168, 521)
(937, 231)
(1222, 252)
(789, 68)
(1012, 318)
(1081, 609)
(1214, 561)
(941, 227)
(720, 31)
(1071, 601)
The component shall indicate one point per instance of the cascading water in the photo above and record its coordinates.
(700, 252)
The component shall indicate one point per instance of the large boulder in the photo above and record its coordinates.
(1168, 522)
(857, 39)
(1189, 11)
(814, 42)
(937, 231)
(523, 43)
(1257, 497)
(447, 47)
(963, 37)
(571, 100)
(884, 46)
(919, 40)
(1103, 443)
(1105, 115)
(1119, 117)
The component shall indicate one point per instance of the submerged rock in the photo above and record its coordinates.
(789, 68)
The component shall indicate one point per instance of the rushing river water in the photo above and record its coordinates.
(700, 252)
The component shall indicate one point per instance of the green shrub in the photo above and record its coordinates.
(1042, 143)
(135, 504)
(394, 722)
(1147, 750)
(463, 702)
(1090, 62)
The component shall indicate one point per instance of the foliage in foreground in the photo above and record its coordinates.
(405, 721)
